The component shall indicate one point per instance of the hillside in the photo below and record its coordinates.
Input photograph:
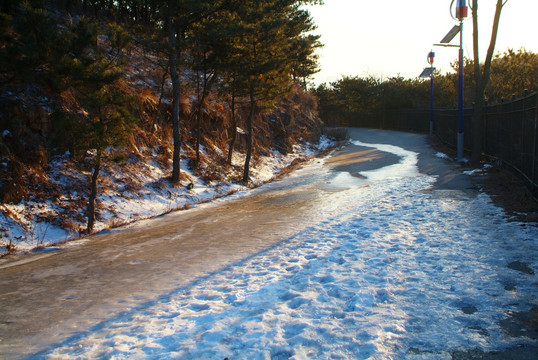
(47, 161)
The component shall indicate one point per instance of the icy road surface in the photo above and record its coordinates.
(386, 263)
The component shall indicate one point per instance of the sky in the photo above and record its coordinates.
(386, 38)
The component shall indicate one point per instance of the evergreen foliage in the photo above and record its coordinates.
(105, 117)
(262, 43)
(250, 52)
(512, 73)
(31, 43)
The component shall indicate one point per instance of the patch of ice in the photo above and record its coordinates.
(407, 167)
(474, 172)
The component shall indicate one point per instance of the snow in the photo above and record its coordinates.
(387, 269)
(478, 171)
(442, 156)
(407, 167)
(154, 198)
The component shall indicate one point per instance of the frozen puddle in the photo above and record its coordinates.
(392, 273)
(407, 167)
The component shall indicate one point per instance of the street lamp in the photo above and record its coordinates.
(431, 56)
(460, 14)
(425, 73)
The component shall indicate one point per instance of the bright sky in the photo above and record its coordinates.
(385, 38)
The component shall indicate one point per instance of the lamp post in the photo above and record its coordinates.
(431, 56)
(460, 14)
(425, 73)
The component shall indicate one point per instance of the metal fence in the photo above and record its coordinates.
(510, 134)
(510, 131)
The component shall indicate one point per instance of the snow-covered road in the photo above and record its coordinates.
(384, 266)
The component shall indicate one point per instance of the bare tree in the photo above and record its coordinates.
(482, 76)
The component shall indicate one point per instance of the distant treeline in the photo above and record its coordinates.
(350, 97)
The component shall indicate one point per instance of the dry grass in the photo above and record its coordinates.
(293, 121)
(295, 164)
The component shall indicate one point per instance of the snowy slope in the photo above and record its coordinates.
(128, 193)
(388, 269)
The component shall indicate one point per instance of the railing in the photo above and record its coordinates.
(510, 134)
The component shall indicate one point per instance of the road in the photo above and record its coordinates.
(52, 296)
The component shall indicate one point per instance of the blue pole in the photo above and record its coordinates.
(460, 96)
(431, 103)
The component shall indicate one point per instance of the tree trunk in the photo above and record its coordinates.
(477, 110)
(93, 193)
(206, 87)
(200, 99)
(250, 131)
(161, 95)
(175, 102)
(233, 131)
(198, 131)
(482, 78)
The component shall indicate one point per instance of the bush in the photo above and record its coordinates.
(119, 158)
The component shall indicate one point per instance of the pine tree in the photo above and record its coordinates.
(30, 43)
(180, 16)
(206, 54)
(263, 47)
(105, 117)
(513, 72)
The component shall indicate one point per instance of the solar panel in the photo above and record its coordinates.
(427, 72)
(451, 34)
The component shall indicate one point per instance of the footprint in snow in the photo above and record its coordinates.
(521, 267)
(199, 307)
